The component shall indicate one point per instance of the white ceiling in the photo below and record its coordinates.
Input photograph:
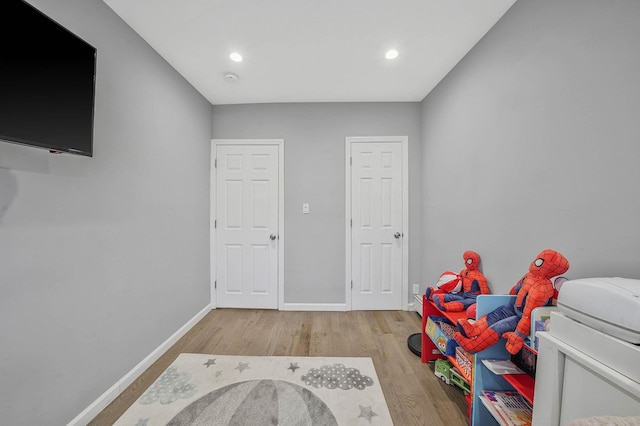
(312, 50)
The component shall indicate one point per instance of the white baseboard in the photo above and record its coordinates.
(325, 307)
(417, 305)
(314, 307)
(106, 398)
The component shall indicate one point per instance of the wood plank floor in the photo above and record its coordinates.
(414, 395)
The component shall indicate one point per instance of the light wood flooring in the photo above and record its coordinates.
(414, 395)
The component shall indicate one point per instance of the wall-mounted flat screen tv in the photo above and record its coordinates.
(47, 82)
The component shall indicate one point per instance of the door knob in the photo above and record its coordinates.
(397, 235)
(272, 237)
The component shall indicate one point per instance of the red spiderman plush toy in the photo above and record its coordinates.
(513, 321)
(473, 284)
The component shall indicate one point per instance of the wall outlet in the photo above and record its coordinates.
(416, 289)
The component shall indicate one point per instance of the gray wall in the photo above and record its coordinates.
(103, 258)
(314, 136)
(532, 143)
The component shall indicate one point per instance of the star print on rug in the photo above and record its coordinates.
(366, 412)
(242, 366)
(210, 362)
(293, 366)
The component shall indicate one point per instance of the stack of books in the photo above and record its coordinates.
(509, 408)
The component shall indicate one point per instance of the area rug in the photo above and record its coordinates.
(225, 390)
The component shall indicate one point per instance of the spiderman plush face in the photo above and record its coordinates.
(548, 264)
(471, 260)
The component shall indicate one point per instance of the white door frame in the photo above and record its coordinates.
(405, 212)
(213, 208)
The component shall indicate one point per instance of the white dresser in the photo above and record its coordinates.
(582, 372)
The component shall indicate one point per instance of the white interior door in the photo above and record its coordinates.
(378, 223)
(247, 225)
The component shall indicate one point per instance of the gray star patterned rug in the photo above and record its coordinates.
(225, 390)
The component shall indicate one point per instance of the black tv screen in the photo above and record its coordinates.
(47, 82)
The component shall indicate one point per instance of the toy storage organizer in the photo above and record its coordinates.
(480, 377)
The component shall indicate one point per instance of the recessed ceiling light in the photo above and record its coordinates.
(391, 54)
(235, 57)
